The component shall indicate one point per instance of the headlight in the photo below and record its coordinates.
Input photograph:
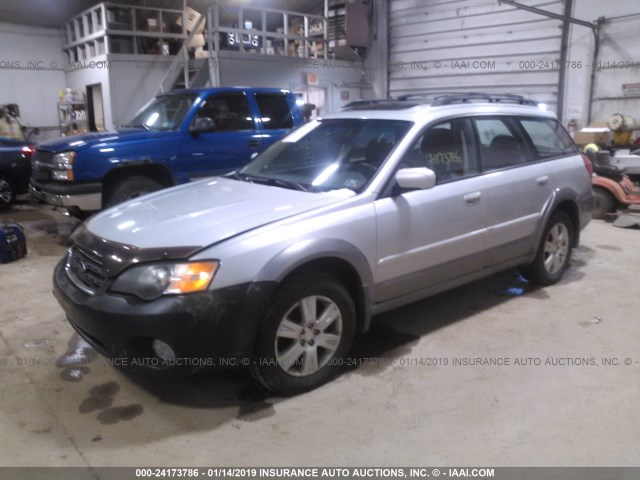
(63, 166)
(151, 281)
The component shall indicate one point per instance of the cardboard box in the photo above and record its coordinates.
(192, 18)
(596, 132)
(197, 41)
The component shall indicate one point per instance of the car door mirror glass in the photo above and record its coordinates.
(202, 125)
(420, 178)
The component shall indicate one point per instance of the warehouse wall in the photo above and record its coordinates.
(32, 74)
(133, 83)
(618, 61)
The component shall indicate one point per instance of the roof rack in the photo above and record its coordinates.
(439, 99)
(376, 103)
(470, 97)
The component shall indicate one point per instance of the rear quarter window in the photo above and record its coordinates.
(548, 137)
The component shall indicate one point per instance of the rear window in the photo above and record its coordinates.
(548, 137)
(274, 111)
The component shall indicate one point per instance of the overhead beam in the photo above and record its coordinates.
(546, 13)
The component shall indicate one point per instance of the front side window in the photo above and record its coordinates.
(548, 137)
(228, 112)
(275, 112)
(328, 154)
(445, 149)
(165, 112)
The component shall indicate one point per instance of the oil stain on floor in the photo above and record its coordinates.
(101, 399)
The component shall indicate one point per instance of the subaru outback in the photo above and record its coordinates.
(278, 265)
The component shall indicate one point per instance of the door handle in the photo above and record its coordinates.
(472, 198)
(254, 142)
(542, 180)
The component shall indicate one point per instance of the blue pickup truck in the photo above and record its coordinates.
(178, 137)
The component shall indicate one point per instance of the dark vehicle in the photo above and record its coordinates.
(15, 169)
(176, 138)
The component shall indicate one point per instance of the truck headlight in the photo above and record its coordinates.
(63, 166)
(151, 281)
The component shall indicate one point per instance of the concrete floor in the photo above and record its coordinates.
(390, 413)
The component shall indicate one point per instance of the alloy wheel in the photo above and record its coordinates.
(308, 336)
(556, 248)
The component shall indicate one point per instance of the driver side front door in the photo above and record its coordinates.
(426, 237)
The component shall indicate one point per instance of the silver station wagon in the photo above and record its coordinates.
(278, 265)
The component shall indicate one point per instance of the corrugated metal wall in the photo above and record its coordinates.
(474, 45)
(617, 82)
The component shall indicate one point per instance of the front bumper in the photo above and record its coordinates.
(212, 329)
(84, 196)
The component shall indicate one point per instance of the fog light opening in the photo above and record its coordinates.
(163, 351)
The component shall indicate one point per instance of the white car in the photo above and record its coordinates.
(278, 265)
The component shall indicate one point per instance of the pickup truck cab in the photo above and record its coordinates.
(177, 137)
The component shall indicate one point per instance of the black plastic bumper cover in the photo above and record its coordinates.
(212, 329)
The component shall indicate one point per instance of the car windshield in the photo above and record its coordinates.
(164, 112)
(327, 155)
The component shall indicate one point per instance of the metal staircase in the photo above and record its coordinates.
(185, 72)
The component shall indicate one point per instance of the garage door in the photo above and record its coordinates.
(474, 45)
(617, 82)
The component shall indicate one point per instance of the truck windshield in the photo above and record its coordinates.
(164, 112)
(328, 154)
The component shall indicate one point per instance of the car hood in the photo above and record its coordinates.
(203, 213)
(102, 139)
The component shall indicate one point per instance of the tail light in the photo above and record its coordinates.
(587, 164)
(27, 151)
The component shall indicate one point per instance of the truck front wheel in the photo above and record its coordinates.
(131, 187)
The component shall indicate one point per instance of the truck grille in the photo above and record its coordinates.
(84, 270)
(43, 157)
(42, 162)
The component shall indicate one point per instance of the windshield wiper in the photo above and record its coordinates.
(268, 181)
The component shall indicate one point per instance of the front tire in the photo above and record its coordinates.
(131, 187)
(7, 193)
(306, 333)
(554, 251)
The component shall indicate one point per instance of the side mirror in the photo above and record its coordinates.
(415, 178)
(202, 125)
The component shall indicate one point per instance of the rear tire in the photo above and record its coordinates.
(554, 251)
(305, 334)
(604, 203)
(7, 193)
(131, 187)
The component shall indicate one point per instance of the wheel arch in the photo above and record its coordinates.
(337, 258)
(154, 171)
(564, 200)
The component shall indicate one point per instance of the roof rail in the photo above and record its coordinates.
(385, 103)
(487, 97)
(437, 99)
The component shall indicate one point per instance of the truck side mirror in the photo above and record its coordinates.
(202, 125)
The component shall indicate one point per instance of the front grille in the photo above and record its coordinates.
(43, 157)
(84, 270)
(42, 162)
